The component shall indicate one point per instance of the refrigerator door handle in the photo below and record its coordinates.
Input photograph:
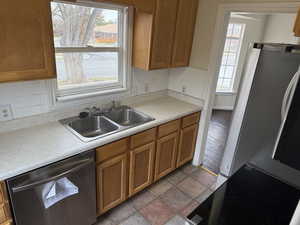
(287, 95)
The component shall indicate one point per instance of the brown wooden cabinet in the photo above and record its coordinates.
(26, 41)
(111, 183)
(127, 166)
(5, 214)
(141, 168)
(163, 33)
(165, 160)
(164, 38)
(140, 5)
(184, 34)
(297, 25)
(187, 143)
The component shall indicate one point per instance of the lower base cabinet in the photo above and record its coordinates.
(187, 142)
(127, 166)
(5, 214)
(141, 168)
(165, 160)
(111, 183)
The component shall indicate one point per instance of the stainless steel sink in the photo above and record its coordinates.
(93, 126)
(103, 124)
(126, 116)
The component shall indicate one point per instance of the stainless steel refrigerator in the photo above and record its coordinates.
(261, 112)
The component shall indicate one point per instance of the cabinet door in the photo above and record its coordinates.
(141, 168)
(165, 155)
(26, 41)
(186, 18)
(297, 25)
(145, 5)
(163, 33)
(111, 183)
(187, 143)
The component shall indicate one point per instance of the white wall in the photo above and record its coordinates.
(255, 25)
(35, 97)
(279, 29)
(195, 81)
(205, 28)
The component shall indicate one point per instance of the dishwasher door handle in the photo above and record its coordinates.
(78, 165)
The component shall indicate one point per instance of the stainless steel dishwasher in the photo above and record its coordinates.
(63, 193)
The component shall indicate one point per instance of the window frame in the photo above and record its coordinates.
(124, 50)
(237, 53)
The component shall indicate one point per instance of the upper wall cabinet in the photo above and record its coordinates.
(186, 19)
(297, 25)
(164, 39)
(26, 41)
(141, 5)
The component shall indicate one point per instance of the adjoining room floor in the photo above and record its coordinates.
(166, 202)
(216, 140)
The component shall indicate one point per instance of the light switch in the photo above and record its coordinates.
(5, 113)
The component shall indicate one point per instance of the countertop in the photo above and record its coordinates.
(27, 149)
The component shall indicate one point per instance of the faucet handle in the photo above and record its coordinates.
(115, 104)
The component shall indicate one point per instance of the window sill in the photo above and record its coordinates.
(88, 95)
(226, 93)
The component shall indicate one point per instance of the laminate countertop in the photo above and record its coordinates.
(27, 149)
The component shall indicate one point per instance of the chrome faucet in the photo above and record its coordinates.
(88, 112)
(115, 104)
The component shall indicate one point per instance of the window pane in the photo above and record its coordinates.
(234, 45)
(227, 45)
(77, 69)
(229, 72)
(226, 84)
(80, 26)
(224, 58)
(229, 59)
(229, 30)
(237, 30)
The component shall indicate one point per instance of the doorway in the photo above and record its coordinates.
(243, 30)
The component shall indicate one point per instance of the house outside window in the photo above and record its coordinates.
(91, 41)
(230, 59)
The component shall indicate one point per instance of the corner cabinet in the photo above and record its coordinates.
(164, 38)
(26, 41)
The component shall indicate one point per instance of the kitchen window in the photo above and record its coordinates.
(91, 41)
(230, 57)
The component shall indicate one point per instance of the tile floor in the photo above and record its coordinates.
(168, 201)
(216, 140)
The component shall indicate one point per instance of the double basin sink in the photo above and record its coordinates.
(105, 123)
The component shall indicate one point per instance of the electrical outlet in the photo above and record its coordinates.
(5, 113)
(183, 89)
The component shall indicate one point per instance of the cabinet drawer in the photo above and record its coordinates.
(4, 213)
(110, 150)
(191, 119)
(168, 128)
(143, 138)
